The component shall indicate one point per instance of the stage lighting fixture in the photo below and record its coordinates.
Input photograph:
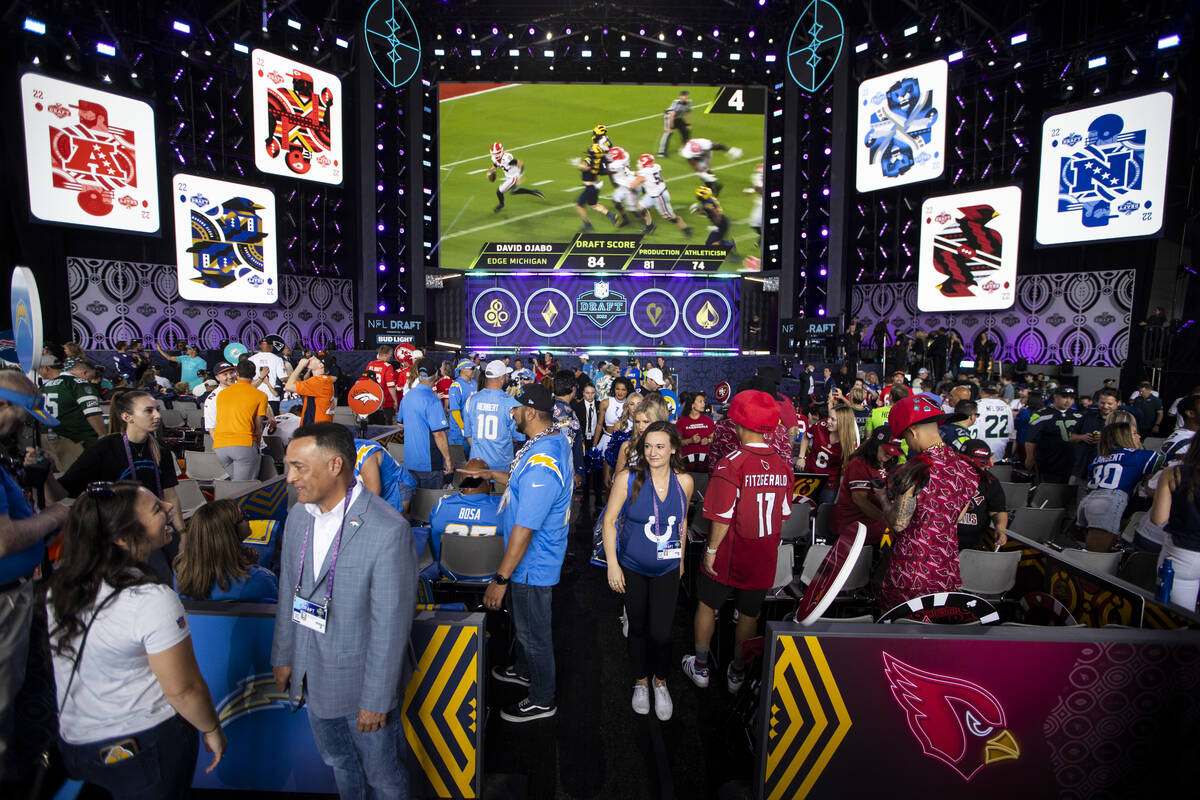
(955, 56)
(660, 55)
(1165, 42)
(549, 36)
(750, 35)
(770, 58)
(716, 33)
(548, 53)
(106, 78)
(37, 26)
(532, 31)
(911, 30)
(106, 49)
(514, 53)
(241, 48)
(697, 55)
(476, 52)
(439, 52)
(861, 47)
(1097, 62)
(383, 306)
(341, 42)
(294, 24)
(585, 53)
(679, 31)
(884, 56)
(624, 54)
(1019, 38)
(735, 56)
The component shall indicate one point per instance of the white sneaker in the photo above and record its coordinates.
(624, 622)
(663, 707)
(735, 679)
(641, 698)
(699, 675)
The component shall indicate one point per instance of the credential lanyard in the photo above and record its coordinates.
(337, 542)
(133, 469)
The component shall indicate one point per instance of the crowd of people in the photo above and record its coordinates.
(910, 460)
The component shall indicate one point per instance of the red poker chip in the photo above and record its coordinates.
(1039, 608)
(945, 608)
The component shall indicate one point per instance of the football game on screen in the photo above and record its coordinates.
(528, 170)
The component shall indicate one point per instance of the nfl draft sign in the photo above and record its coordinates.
(1104, 171)
(297, 119)
(969, 251)
(89, 156)
(225, 241)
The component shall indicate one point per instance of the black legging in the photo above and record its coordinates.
(650, 606)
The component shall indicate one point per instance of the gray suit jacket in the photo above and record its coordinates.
(359, 661)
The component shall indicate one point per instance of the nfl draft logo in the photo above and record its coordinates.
(601, 305)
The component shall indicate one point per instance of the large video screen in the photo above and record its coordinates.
(528, 194)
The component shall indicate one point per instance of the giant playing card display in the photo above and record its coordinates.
(1104, 171)
(297, 119)
(89, 156)
(969, 250)
(225, 239)
(901, 127)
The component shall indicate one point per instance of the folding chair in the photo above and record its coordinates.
(1003, 472)
(1015, 494)
(190, 496)
(172, 418)
(1100, 563)
(821, 528)
(1038, 524)
(1053, 495)
(988, 574)
(226, 489)
(423, 503)
(472, 559)
(812, 560)
(396, 449)
(266, 469)
(204, 466)
(798, 525)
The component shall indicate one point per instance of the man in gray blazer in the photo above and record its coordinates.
(342, 647)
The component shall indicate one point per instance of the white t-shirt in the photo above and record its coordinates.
(210, 409)
(278, 373)
(285, 426)
(114, 692)
(994, 425)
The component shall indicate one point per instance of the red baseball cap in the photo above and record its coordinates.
(755, 410)
(917, 409)
(977, 452)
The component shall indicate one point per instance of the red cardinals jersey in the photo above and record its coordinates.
(751, 491)
(442, 388)
(824, 456)
(695, 456)
(385, 375)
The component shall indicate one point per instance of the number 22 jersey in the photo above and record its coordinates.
(751, 491)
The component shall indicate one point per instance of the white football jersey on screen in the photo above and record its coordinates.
(654, 183)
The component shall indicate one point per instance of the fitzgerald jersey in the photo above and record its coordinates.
(994, 425)
(71, 401)
(751, 491)
(1121, 470)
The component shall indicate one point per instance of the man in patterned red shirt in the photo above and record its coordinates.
(383, 373)
(748, 498)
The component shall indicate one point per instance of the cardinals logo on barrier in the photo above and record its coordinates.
(956, 721)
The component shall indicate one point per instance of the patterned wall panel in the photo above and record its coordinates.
(115, 301)
(1078, 317)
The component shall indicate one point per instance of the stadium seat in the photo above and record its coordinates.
(797, 526)
(471, 558)
(700, 479)
(423, 503)
(275, 446)
(396, 449)
(267, 470)
(860, 575)
(1015, 494)
(172, 418)
(1053, 495)
(344, 416)
(193, 417)
(1100, 563)
(204, 466)
(783, 566)
(821, 528)
(988, 574)
(812, 560)
(1038, 524)
(1132, 526)
(225, 489)
(190, 496)
(1003, 472)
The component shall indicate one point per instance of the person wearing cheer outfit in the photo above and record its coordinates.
(645, 556)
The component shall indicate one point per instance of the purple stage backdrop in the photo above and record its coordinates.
(1078, 317)
(114, 301)
(647, 313)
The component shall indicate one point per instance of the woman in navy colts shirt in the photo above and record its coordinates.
(645, 556)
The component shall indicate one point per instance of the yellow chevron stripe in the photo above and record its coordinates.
(820, 723)
(462, 775)
(414, 741)
(789, 661)
(434, 698)
(839, 707)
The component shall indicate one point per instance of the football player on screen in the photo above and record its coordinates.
(625, 194)
(677, 117)
(756, 189)
(655, 194)
(592, 167)
(711, 208)
(513, 170)
(698, 153)
(600, 137)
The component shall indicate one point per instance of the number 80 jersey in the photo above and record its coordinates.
(751, 491)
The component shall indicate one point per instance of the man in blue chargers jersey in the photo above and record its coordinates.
(426, 449)
(488, 421)
(534, 517)
(460, 391)
(383, 475)
(472, 512)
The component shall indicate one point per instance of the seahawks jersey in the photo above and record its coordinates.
(507, 163)
(711, 208)
(71, 401)
(994, 425)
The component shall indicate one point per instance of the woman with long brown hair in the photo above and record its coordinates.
(130, 695)
(213, 564)
(645, 557)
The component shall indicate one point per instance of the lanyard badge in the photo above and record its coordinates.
(315, 616)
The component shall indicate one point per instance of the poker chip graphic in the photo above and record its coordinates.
(946, 608)
(1039, 608)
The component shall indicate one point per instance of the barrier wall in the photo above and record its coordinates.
(933, 711)
(271, 747)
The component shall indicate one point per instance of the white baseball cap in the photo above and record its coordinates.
(655, 374)
(496, 369)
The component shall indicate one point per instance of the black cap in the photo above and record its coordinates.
(1064, 391)
(538, 397)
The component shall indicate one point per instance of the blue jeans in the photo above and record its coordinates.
(364, 764)
(535, 644)
(430, 480)
(162, 768)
